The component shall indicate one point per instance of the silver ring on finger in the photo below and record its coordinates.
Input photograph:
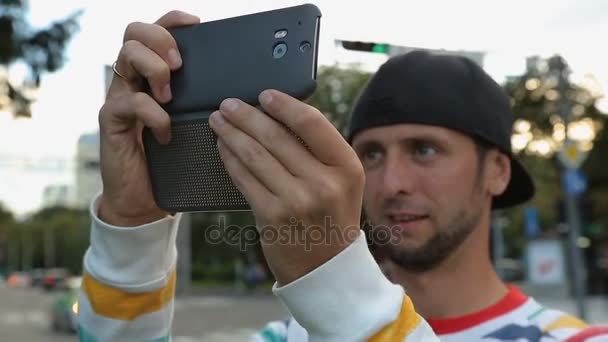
(117, 72)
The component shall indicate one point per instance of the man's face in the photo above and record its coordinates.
(427, 186)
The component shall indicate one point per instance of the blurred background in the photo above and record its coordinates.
(55, 62)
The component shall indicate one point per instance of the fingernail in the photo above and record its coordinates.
(166, 92)
(217, 117)
(174, 58)
(265, 97)
(229, 105)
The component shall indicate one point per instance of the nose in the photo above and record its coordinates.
(398, 176)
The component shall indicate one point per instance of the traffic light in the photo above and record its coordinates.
(365, 46)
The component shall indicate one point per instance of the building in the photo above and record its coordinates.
(87, 173)
(108, 74)
(57, 195)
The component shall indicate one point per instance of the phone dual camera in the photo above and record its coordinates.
(280, 48)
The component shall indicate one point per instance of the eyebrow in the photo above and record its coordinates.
(421, 137)
(366, 145)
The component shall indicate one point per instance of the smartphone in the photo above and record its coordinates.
(236, 57)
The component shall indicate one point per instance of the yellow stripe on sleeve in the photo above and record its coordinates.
(566, 321)
(113, 303)
(407, 321)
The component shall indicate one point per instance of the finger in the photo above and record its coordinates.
(136, 61)
(324, 140)
(157, 39)
(262, 165)
(254, 192)
(282, 144)
(177, 18)
(123, 113)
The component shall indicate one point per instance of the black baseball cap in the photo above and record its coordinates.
(448, 91)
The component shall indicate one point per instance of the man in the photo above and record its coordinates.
(433, 135)
(429, 159)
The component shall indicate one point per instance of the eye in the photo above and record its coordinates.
(371, 156)
(425, 150)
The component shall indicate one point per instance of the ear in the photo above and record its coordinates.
(499, 172)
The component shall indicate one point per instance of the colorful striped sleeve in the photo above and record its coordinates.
(128, 283)
(349, 299)
(275, 331)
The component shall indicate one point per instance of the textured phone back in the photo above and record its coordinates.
(221, 59)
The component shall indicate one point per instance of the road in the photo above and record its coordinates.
(209, 318)
(24, 317)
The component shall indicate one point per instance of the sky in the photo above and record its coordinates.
(69, 100)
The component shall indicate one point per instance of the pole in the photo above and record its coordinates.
(572, 210)
(498, 242)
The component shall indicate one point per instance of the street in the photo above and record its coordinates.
(24, 316)
(209, 318)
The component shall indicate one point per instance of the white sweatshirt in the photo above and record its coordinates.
(128, 291)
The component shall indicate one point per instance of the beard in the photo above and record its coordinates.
(439, 247)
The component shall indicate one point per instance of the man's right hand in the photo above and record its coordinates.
(149, 53)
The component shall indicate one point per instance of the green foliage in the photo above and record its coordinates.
(66, 229)
(218, 241)
(6, 221)
(41, 50)
(535, 99)
(337, 90)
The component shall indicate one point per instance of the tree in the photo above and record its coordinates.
(41, 50)
(539, 132)
(337, 91)
(218, 241)
(65, 230)
(5, 215)
(6, 221)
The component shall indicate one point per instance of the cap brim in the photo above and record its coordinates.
(520, 189)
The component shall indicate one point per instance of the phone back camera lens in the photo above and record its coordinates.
(279, 34)
(305, 46)
(279, 50)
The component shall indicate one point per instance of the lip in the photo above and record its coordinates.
(405, 222)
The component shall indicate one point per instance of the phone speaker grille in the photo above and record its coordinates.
(188, 174)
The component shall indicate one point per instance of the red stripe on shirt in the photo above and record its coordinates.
(512, 300)
(590, 332)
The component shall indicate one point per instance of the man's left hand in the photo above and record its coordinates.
(306, 198)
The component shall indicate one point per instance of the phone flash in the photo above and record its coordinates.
(280, 34)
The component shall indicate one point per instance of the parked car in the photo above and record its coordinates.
(55, 278)
(18, 279)
(37, 276)
(64, 310)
